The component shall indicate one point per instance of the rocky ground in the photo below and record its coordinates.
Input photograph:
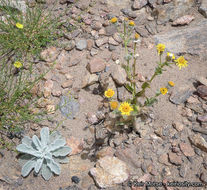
(169, 145)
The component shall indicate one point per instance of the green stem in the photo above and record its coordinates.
(134, 72)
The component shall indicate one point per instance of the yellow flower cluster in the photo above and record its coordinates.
(125, 108)
(113, 105)
(163, 90)
(113, 20)
(136, 36)
(109, 93)
(171, 83)
(181, 62)
(18, 25)
(18, 64)
(131, 23)
(160, 48)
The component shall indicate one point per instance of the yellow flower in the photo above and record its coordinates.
(170, 56)
(160, 48)
(18, 25)
(113, 105)
(131, 23)
(136, 36)
(18, 64)
(109, 93)
(181, 62)
(171, 83)
(126, 19)
(125, 108)
(163, 90)
(113, 20)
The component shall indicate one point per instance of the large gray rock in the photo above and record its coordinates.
(173, 10)
(20, 5)
(138, 4)
(192, 40)
(203, 8)
(118, 4)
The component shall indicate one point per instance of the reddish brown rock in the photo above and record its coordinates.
(183, 20)
(75, 144)
(96, 65)
(187, 149)
(107, 151)
(101, 41)
(50, 54)
(202, 90)
(175, 159)
(199, 141)
(163, 159)
(67, 84)
(48, 88)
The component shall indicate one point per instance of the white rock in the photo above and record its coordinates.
(109, 171)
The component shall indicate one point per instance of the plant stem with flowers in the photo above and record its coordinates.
(132, 107)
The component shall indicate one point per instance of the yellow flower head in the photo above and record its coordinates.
(131, 23)
(126, 19)
(125, 108)
(113, 105)
(171, 83)
(109, 93)
(136, 36)
(181, 62)
(18, 25)
(163, 90)
(170, 56)
(18, 64)
(113, 20)
(160, 48)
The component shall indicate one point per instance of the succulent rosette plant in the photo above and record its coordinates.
(44, 154)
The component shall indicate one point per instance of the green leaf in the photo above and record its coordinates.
(54, 167)
(46, 172)
(138, 94)
(37, 142)
(57, 144)
(28, 150)
(62, 160)
(44, 135)
(38, 165)
(129, 88)
(27, 141)
(145, 85)
(27, 168)
(63, 151)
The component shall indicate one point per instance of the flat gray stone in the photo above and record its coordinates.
(181, 96)
(203, 8)
(81, 44)
(173, 10)
(192, 40)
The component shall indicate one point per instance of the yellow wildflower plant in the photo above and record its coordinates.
(113, 20)
(18, 64)
(113, 105)
(109, 93)
(20, 26)
(160, 48)
(171, 83)
(163, 90)
(126, 19)
(125, 108)
(181, 62)
(131, 23)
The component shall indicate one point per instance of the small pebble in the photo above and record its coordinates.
(75, 179)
